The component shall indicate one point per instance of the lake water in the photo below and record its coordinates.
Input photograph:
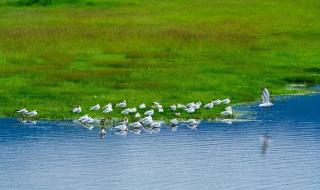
(215, 156)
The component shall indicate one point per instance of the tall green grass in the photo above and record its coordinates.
(68, 53)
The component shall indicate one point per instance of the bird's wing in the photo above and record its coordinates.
(266, 95)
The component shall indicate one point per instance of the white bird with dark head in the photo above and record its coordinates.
(76, 109)
(265, 96)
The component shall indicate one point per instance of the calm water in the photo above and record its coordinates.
(215, 156)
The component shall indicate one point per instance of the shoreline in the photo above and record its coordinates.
(306, 92)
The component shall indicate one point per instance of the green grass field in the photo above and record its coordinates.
(84, 52)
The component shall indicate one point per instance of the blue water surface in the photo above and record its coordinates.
(63, 155)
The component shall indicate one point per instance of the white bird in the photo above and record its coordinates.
(32, 113)
(23, 111)
(174, 122)
(88, 120)
(181, 106)
(198, 105)
(191, 105)
(133, 110)
(208, 105)
(173, 107)
(126, 111)
(95, 108)
(121, 128)
(227, 112)
(155, 124)
(142, 106)
(177, 114)
(107, 106)
(265, 98)
(76, 109)
(190, 110)
(107, 110)
(225, 101)
(136, 125)
(192, 123)
(122, 104)
(82, 118)
(160, 110)
(216, 102)
(137, 115)
(149, 112)
(146, 120)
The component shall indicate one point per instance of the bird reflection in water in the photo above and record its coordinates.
(265, 141)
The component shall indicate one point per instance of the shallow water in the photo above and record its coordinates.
(215, 156)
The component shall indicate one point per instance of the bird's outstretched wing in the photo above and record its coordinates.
(265, 95)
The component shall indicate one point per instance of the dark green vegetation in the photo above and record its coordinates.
(63, 53)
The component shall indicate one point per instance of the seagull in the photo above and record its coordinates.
(137, 115)
(157, 105)
(146, 120)
(126, 111)
(160, 110)
(82, 118)
(192, 123)
(149, 113)
(133, 110)
(125, 121)
(227, 112)
(265, 98)
(142, 106)
(216, 102)
(155, 124)
(208, 105)
(190, 110)
(95, 108)
(198, 105)
(107, 106)
(76, 109)
(122, 104)
(88, 120)
(121, 128)
(181, 106)
(32, 113)
(225, 101)
(23, 111)
(107, 110)
(136, 125)
(173, 107)
(174, 122)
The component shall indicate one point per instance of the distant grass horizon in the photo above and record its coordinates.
(55, 55)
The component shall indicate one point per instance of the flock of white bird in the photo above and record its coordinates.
(147, 121)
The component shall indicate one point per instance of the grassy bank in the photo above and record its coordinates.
(69, 53)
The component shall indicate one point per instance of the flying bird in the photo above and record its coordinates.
(265, 98)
